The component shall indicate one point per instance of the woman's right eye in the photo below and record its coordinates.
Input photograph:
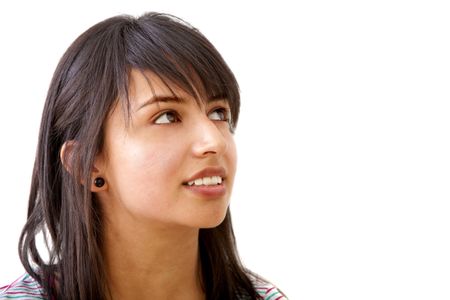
(167, 118)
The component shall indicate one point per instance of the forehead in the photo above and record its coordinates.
(146, 84)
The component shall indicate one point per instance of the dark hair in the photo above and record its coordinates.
(90, 79)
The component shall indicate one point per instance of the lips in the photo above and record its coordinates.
(200, 183)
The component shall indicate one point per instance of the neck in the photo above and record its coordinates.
(152, 263)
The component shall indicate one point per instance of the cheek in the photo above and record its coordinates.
(232, 153)
(231, 159)
(142, 172)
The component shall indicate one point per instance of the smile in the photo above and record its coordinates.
(212, 180)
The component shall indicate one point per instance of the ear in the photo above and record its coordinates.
(66, 154)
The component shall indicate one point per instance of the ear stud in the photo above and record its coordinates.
(99, 182)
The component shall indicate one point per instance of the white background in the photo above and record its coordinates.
(344, 148)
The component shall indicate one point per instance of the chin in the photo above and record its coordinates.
(211, 221)
(211, 225)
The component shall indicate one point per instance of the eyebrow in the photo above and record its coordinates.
(156, 99)
(175, 99)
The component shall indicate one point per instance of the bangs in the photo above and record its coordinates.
(183, 57)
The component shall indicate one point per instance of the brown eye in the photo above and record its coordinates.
(219, 114)
(167, 118)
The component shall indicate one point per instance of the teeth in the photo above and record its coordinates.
(213, 180)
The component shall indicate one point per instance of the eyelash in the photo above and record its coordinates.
(222, 110)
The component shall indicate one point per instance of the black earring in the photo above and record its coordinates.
(99, 182)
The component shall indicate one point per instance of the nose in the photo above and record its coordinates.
(209, 139)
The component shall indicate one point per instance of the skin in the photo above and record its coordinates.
(152, 219)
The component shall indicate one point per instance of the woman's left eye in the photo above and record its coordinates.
(219, 114)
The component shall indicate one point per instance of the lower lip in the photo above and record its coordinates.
(208, 191)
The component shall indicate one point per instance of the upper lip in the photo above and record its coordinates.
(208, 172)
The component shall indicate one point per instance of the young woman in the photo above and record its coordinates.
(134, 170)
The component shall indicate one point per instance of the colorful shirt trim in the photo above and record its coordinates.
(268, 291)
(27, 288)
(24, 288)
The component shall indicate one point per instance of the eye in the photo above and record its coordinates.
(219, 114)
(167, 118)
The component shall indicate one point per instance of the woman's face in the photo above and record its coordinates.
(174, 164)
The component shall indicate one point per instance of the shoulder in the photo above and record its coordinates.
(267, 290)
(25, 287)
